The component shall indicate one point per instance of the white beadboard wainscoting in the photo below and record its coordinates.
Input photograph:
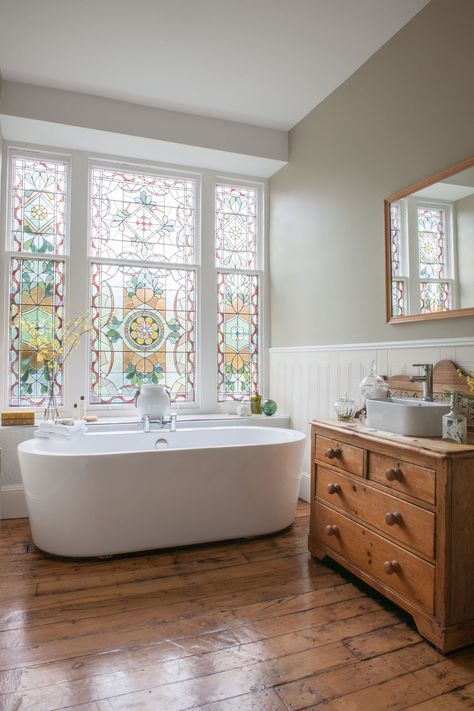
(306, 381)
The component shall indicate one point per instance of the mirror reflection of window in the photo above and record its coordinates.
(399, 274)
(422, 239)
(429, 237)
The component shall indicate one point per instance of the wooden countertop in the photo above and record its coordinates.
(436, 445)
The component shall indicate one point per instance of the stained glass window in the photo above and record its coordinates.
(143, 332)
(236, 251)
(143, 317)
(37, 233)
(434, 296)
(237, 335)
(36, 297)
(37, 213)
(395, 238)
(431, 243)
(398, 297)
(236, 227)
(142, 217)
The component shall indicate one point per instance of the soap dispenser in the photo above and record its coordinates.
(373, 386)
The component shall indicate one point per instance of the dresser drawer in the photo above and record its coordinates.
(406, 478)
(405, 523)
(393, 566)
(341, 455)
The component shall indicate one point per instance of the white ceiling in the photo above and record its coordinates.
(263, 62)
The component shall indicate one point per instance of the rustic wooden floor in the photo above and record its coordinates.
(250, 625)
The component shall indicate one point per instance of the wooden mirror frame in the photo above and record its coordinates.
(458, 168)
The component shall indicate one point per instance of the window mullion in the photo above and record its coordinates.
(77, 282)
(208, 298)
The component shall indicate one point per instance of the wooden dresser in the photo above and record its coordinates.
(398, 512)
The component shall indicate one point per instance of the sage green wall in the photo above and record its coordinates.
(405, 114)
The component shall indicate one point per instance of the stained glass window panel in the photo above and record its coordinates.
(434, 297)
(142, 217)
(236, 227)
(237, 336)
(143, 332)
(398, 298)
(36, 297)
(37, 211)
(431, 243)
(395, 238)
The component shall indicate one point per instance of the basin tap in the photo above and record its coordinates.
(426, 379)
(168, 422)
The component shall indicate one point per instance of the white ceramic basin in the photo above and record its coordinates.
(406, 416)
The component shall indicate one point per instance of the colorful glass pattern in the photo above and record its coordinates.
(395, 238)
(431, 243)
(36, 296)
(434, 297)
(398, 298)
(37, 211)
(236, 227)
(237, 361)
(143, 331)
(142, 217)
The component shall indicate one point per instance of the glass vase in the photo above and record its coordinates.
(51, 405)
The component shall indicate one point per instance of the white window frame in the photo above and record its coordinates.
(77, 297)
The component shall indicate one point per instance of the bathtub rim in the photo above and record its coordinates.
(31, 446)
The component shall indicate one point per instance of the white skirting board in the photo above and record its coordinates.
(12, 502)
(305, 487)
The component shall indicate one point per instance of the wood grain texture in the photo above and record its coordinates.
(422, 559)
(250, 625)
(415, 527)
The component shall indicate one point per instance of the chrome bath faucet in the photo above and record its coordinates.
(168, 422)
(426, 379)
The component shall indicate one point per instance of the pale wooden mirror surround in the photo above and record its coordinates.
(406, 192)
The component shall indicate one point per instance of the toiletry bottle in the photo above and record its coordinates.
(256, 403)
(455, 423)
(82, 407)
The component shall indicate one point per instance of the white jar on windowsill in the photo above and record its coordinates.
(154, 401)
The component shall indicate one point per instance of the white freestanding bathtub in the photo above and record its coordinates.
(101, 494)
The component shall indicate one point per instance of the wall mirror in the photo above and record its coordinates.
(429, 243)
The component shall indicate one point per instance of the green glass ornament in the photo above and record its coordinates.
(269, 407)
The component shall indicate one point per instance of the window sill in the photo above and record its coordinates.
(106, 424)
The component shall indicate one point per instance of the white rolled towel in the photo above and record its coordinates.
(48, 428)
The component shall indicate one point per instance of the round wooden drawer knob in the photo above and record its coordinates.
(393, 518)
(393, 474)
(332, 530)
(391, 566)
(334, 489)
(332, 453)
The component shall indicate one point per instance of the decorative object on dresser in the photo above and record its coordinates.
(397, 512)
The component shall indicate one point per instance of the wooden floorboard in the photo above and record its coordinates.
(252, 625)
